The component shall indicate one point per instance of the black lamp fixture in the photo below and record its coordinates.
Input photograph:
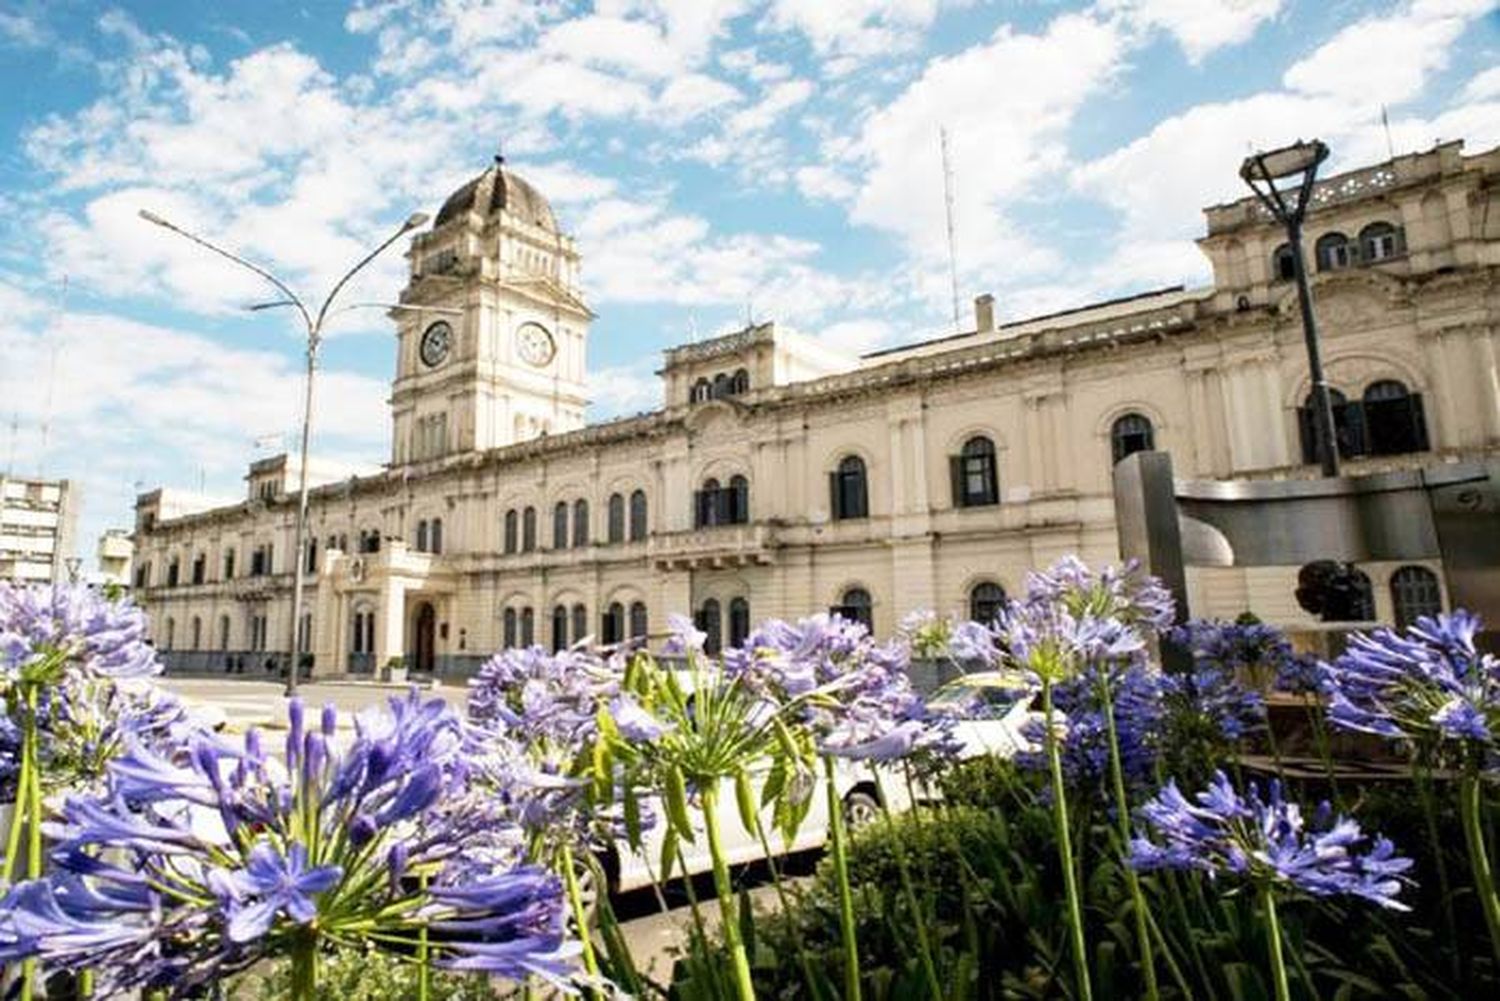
(1283, 181)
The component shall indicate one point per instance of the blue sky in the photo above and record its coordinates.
(713, 158)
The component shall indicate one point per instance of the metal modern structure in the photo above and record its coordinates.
(314, 325)
(1288, 205)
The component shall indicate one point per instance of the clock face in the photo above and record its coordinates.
(535, 344)
(435, 343)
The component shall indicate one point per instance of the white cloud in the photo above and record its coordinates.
(621, 390)
(1407, 47)
(22, 31)
(1201, 27)
(1007, 104)
(860, 336)
(1483, 85)
(855, 28)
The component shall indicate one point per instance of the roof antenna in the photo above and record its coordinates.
(1385, 120)
(952, 243)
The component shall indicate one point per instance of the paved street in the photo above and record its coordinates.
(650, 933)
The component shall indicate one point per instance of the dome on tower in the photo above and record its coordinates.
(497, 189)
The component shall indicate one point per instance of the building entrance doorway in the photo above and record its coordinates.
(425, 633)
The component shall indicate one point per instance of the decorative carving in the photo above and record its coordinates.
(1343, 188)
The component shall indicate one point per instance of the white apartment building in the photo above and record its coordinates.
(37, 521)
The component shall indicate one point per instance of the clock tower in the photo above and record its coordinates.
(493, 329)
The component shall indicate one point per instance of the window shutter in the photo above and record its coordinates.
(1418, 424)
(1307, 427)
(956, 476)
(1353, 439)
(834, 510)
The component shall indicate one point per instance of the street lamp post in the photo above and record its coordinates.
(1288, 205)
(314, 325)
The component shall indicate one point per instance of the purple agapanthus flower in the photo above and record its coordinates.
(1123, 593)
(1211, 694)
(71, 628)
(1426, 683)
(198, 861)
(1136, 696)
(1227, 834)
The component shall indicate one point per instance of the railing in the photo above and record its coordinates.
(251, 664)
(719, 545)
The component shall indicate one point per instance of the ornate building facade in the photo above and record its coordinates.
(780, 477)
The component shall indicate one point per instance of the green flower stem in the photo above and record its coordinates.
(1122, 816)
(924, 947)
(744, 988)
(1469, 802)
(18, 809)
(424, 962)
(1273, 936)
(304, 967)
(836, 836)
(1065, 848)
(1320, 740)
(575, 901)
(786, 904)
(1423, 775)
(33, 825)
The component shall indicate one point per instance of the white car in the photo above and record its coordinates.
(995, 712)
(858, 794)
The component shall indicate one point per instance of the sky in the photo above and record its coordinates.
(715, 160)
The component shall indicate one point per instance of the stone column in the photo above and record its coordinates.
(1488, 374)
(390, 621)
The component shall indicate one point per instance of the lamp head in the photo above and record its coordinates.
(1298, 158)
(414, 220)
(152, 217)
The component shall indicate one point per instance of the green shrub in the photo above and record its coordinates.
(354, 975)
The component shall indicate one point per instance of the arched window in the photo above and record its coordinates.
(1348, 426)
(1362, 604)
(435, 536)
(721, 386)
(224, 632)
(848, 494)
(1414, 593)
(1378, 241)
(511, 519)
(528, 626)
(986, 600)
(707, 504)
(580, 623)
(701, 390)
(1130, 433)
(560, 525)
(580, 522)
(612, 627)
(422, 536)
(855, 606)
(559, 628)
(973, 473)
(739, 500)
(171, 634)
(1283, 265)
(1334, 252)
(739, 621)
(709, 622)
(638, 627)
(638, 516)
(528, 530)
(173, 568)
(510, 627)
(616, 519)
(200, 568)
(197, 633)
(1394, 422)
(741, 382)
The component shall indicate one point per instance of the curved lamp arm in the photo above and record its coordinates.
(411, 223)
(291, 297)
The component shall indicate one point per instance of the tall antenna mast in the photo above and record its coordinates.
(948, 202)
(1385, 120)
(62, 315)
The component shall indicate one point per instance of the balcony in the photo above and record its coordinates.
(713, 548)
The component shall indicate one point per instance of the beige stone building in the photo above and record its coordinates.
(780, 478)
